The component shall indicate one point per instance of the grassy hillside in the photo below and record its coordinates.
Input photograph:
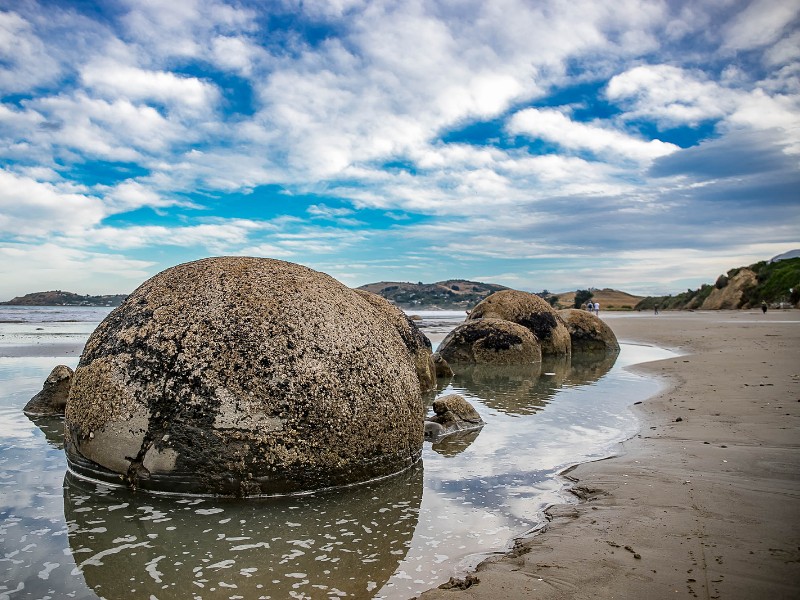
(453, 294)
(59, 298)
(609, 299)
(770, 282)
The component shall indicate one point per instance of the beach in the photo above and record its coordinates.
(704, 501)
(391, 539)
(701, 502)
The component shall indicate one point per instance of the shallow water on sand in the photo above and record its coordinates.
(63, 537)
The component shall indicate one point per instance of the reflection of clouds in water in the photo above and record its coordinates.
(32, 528)
(342, 541)
(538, 422)
(477, 495)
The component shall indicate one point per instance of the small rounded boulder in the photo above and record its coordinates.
(530, 311)
(589, 333)
(490, 342)
(243, 376)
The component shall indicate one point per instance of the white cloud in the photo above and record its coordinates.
(115, 130)
(670, 95)
(385, 83)
(117, 81)
(236, 54)
(760, 23)
(554, 126)
(184, 29)
(759, 111)
(400, 74)
(25, 268)
(129, 195)
(661, 271)
(24, 60)
(784, 52)
(32, 208)
(217, 237)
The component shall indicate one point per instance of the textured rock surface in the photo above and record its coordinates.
(415, 341)
(490, 342)
(443, 369)
(730, 296)
(530, 311)
(243, 376)
(452, 414)
(53, 397)
(588, 332)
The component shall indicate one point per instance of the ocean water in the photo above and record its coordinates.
(470, 496)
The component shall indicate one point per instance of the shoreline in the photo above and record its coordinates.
(704, 502)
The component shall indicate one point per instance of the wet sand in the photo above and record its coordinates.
(705, 501)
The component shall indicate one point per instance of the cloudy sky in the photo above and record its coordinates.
(643, 145)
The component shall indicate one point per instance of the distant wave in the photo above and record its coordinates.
(53, 314)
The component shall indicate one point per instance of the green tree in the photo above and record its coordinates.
(581, 297)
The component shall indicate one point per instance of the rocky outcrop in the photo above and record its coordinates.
(244, 376)
(443, 370)
(729, 296)
(490, 342)
(452, 414)
(417, 344)
(53, 397)
(531, 312)
(588, 333)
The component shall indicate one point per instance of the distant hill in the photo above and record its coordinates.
(790, 254)
(59, 298)
(775, 282)
(607, 298)
(453, 294)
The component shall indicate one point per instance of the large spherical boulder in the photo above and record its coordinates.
(490, 342)
(418, 345)
(530, 311)
(243, 376)
(588, 332)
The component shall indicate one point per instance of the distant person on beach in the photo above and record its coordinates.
(597, 308)
(764, 307)
(655, 309)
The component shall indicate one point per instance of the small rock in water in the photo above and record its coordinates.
(453, 414)
(53, 397)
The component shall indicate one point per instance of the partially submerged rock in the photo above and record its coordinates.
(452, 414)
(589, 333)
(53, 398)
(244, 376)
(530, 311)
(441, 366)
(490, 342)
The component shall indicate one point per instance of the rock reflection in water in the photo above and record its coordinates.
(52, 427)
(344, 542)
(455, 443)
(526, 389)
(588, 368)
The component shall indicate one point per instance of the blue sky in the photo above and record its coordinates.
(646, 146)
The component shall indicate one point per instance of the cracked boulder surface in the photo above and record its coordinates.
(530, 311)
(588, 332)
(243, 376)
(490, 342)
